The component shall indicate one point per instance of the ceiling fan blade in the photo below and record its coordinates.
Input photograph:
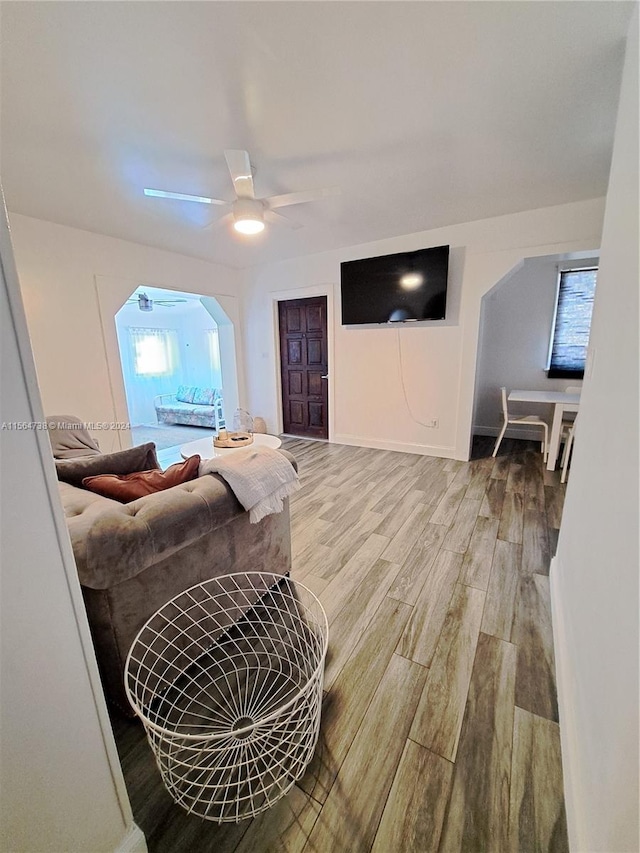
(299, 198)
(240, 171)
(215, 223)
(183, 197)
(279, 219)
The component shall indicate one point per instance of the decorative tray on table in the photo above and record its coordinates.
(232, 439)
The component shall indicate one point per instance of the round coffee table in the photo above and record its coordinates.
(205, 447)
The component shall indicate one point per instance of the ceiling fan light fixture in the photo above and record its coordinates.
(248, 226)
(248, 216)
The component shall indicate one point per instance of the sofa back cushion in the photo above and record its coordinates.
(130, 487)
(140, 458)
(205, 396)
(185, 393)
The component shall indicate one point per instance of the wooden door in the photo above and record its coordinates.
(303, 366)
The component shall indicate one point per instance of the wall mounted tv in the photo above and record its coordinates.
(395, 288)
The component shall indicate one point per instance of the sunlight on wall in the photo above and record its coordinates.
(154, 351)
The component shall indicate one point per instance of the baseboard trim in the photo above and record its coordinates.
(403, 447)
(571, 769)
(133, 842)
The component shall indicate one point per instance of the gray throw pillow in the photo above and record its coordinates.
(69, 438)
(140, 458)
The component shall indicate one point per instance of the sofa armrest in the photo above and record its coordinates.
(157, 401)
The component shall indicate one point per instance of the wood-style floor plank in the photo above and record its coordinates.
(398, 549)
(446, 510)
(478, 815)
(500, 470)
(415, 569)
(336, 594)
(316, 559)
(535, 542)
(386, 487)
(314, 583)
(397, 514)
(533, 635)
(500, 607)
(554, 502)
(440, 712)
(479, 479)
(339, 531)
(459, 535)
(349, 697)
(534, 483)
(515, 478)
(350, 816)
(537, 815)
(511, 519)
(286, 826)
(306, 534)
(476, 567)
(491, 506)
(351, 622)
(421, 636)
(413, 816)
(345, 546)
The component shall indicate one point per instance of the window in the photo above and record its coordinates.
(570, 337)
(214, 349)
(154, 351)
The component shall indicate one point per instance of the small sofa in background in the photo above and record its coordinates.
(191, 406)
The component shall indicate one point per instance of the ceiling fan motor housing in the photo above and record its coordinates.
(248, 209)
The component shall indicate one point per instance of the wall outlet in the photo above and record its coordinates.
(434, 422)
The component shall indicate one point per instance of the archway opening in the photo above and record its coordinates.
(177, 354)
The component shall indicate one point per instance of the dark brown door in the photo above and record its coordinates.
(303, 365)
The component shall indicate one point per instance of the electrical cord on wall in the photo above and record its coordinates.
(404, 389)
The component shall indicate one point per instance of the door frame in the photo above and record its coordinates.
(304, 293)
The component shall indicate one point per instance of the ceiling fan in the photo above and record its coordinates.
(249, 213)
(145, 303)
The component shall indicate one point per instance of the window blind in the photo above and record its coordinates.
(572, 325)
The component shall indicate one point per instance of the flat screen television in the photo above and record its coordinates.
(395, 288)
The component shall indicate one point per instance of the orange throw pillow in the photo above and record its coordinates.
(129, 487)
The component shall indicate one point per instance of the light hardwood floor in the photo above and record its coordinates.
(440, 721)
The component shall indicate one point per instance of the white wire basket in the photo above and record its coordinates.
(227, 680)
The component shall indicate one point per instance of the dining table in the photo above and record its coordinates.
(562, 401)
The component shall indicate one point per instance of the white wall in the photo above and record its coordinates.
(515, 328)
(194, 366)
(595, 574)
(62, 787)
(73, 283)
(366, 397)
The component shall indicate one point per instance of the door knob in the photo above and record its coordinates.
(326, 376)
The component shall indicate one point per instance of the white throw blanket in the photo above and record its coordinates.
(261, 478)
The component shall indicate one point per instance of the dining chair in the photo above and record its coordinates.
(568, 418)
(521, 420)
(566, 453)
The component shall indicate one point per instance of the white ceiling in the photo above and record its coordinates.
(423, 113)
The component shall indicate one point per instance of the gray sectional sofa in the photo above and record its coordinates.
(132, 558)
